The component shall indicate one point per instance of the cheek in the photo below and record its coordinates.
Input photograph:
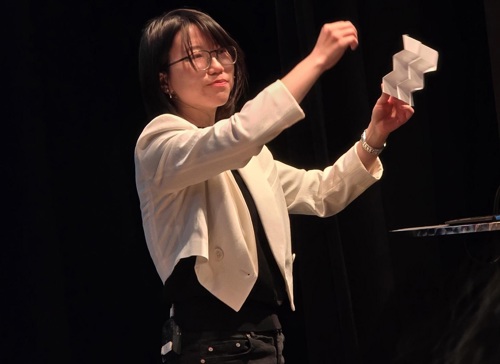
(184, 84)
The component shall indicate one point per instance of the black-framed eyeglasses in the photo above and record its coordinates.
(202, 59)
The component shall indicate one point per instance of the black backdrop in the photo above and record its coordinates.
(77, 281)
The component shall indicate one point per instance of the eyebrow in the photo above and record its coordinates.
(200, 48)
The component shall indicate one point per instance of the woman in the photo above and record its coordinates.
(214, 202)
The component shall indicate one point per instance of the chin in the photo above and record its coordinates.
(222, 100)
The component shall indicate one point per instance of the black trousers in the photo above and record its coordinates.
(230, 348)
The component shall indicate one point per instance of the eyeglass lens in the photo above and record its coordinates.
(225, 56)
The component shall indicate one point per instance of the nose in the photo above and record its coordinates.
(215, 65)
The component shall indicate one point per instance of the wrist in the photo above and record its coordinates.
(372, 147)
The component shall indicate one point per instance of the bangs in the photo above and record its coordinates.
(209, 29)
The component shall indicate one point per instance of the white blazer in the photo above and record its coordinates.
(192, 206)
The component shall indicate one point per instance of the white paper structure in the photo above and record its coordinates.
(409, 67)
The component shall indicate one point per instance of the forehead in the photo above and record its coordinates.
(194, 39)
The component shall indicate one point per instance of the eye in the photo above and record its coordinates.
(221, 51)
(197, 55)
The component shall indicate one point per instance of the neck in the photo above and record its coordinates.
(198, 117)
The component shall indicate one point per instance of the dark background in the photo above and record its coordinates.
(78, 285)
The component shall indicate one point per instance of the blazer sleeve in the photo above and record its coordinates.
(327, 192)
(174, 153)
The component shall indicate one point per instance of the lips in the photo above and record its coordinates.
(220, 82)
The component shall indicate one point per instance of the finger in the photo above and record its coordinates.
(350, 33)
(397, 102)
(384, 98)
(354, 44)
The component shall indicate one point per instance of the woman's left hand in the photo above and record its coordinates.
(388, 114)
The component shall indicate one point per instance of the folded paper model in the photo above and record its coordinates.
(409, 67)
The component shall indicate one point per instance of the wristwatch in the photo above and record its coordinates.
(368, 147)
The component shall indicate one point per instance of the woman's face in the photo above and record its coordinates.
(198, 93)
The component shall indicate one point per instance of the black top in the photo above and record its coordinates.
(196, 309)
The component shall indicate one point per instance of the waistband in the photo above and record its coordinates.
(220, 335)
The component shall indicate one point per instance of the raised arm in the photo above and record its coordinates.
(333, 40)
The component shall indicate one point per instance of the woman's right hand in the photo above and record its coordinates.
(333, 40)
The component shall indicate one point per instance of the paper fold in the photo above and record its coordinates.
(409, 66)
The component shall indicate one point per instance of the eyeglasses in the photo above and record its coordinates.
(203, 59)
